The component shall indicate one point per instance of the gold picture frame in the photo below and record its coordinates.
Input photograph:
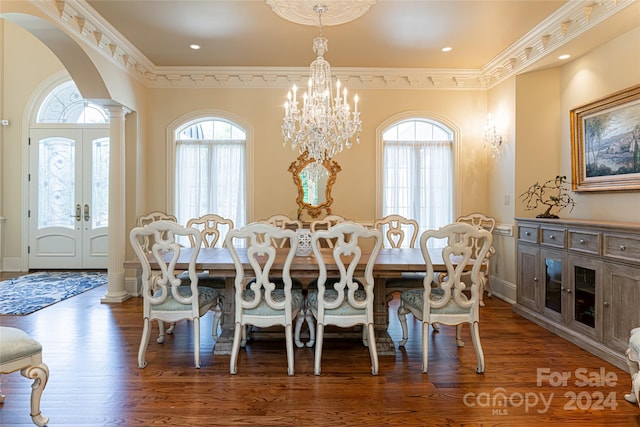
(330, 168)
(605, 143)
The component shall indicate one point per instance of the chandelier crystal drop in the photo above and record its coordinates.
(324, 124)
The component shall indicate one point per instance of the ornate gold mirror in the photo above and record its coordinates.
(314, 182)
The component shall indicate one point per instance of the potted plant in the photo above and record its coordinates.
(553, 194)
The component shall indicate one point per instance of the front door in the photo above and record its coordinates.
(68, 198)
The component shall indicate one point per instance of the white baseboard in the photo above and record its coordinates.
(12, 264)
(503, 289)
(131, 286)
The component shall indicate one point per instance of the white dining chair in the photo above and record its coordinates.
(258, 301)
(481, 221)
(346, 302)
(20, 352)
(163, 297)
(448, 304)
(399, 232)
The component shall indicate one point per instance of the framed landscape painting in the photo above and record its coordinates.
(605, 143)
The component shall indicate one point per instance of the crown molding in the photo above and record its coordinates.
(574, 18)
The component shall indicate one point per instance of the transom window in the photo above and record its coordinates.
(65, 105)
(210, 170)
(417, 175)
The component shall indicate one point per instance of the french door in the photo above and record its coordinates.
(68, 198)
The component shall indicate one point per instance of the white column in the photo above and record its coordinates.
(116, 291)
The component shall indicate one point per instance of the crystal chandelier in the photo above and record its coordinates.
(324, 124)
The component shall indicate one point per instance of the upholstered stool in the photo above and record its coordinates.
(633, 360)
(19, 351)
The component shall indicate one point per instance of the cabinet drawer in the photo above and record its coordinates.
(528, 233)
(582, 241)
(552, 237)
(622, 247)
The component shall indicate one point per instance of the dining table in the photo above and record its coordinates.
(390, 263)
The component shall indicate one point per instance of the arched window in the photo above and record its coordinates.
(210, 170)
(417, 172)
(65, 105)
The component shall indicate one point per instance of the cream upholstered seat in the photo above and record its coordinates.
(18, 351)
(448, 304)
(164, 299)
(481, 221)
(258, 301)
(346, 302)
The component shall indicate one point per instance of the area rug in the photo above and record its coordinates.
(32, 292)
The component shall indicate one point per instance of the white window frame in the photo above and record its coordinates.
(171, 153)
(417, 115)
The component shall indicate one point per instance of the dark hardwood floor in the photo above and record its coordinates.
(91, 349)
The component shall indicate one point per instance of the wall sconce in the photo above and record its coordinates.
(492, 139)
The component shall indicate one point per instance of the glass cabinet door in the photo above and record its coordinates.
(553, 284)
(585, 296)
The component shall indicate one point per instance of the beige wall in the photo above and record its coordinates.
(501, 197)
(26, 64)
(608, 69)
(354, 190)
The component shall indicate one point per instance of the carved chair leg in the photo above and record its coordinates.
(243, 341)
(144, 341)
(235, 348)
(633, 370)
(40, 375)
(299, 322)
(459, 341)
(160, 339)
(425, 347)
(217, 319)
(402, 317)
(373, 350)
(171, 327)
(318, 355)
(289, 344)
(312, 327)
(475, 337)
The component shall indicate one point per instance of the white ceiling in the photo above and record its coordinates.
(393, 33)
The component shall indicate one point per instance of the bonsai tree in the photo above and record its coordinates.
(552, 194)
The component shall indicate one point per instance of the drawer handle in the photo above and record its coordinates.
(582, 242)
(551, 236)
(535, 279)
(606, 304)
(526, 233)
(623, 247)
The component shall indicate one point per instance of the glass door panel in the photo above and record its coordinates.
(585, 296)
(553, 285)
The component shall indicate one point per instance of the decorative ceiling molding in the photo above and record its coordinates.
(338, 11)
(574, 18)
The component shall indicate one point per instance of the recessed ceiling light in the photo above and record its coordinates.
(446, 49)
(194, 46)
(566, 56)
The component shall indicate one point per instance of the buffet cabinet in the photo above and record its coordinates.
(580, 279)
